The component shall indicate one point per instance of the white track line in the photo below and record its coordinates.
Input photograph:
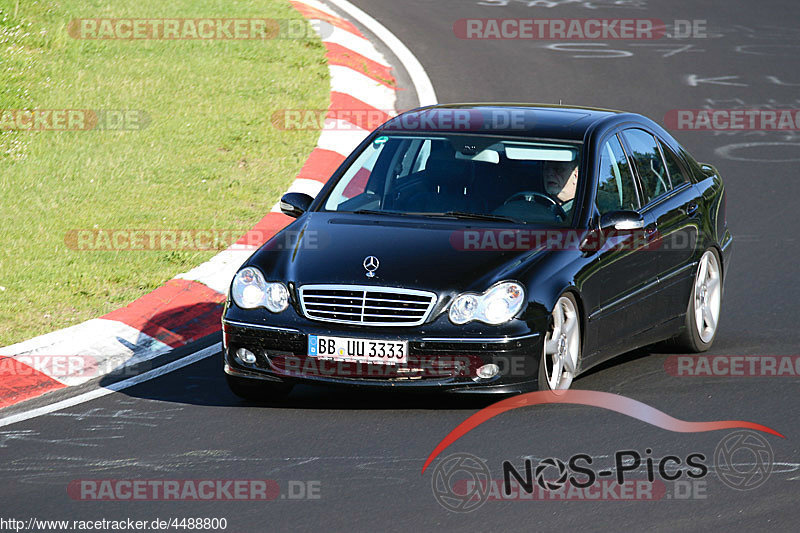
(425, 93)
(114, 387)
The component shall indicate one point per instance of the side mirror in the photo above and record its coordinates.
(295, 204)
(621, 221)
(626, 222)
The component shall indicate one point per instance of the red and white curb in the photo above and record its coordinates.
(189, 306)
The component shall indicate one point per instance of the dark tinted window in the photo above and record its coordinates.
(616, 189)
(647, 158)
(676, 174)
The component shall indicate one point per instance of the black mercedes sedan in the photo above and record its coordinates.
(491, 248)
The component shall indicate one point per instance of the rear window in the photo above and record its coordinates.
(676, 174)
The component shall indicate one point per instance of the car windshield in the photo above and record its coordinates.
(463, 177)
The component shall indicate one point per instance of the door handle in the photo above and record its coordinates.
(690, 209)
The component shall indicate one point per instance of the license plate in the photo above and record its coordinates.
(359, 350)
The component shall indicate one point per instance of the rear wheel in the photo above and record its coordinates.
(562, 346)
(702, 313)
(257, 390)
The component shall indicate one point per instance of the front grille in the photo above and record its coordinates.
(366, 305)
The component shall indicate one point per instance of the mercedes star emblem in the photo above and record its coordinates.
(371, 263)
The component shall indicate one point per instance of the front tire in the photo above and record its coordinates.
(561, 353)
(257, 390)
(705, 301)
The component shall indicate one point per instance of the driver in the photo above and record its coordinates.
(561, 182)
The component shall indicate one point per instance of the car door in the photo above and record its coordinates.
(618, 282)
(671, 200)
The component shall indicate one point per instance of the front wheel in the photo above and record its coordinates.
(257, 390)
(561, 354)
(702, 313)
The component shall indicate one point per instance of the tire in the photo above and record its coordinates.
(564, 351)
(257, 390)
(700, 330)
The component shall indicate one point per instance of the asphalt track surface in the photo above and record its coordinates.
(366, 451)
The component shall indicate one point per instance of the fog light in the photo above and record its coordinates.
(245, 356)
(488, 371)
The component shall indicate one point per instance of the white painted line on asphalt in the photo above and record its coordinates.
(114, 387)
(422, 83)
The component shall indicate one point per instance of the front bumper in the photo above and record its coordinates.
(437, 361)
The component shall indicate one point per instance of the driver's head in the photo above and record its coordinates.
(561, 179)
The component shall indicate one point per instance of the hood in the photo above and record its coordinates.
(415, 253)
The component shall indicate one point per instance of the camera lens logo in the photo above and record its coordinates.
(744, 460)
(456, 471)
(546, 465)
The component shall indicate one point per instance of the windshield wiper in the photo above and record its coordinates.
(377, 212)
(462, 215)
(476, 216)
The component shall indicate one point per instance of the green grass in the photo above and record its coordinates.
(209, 158)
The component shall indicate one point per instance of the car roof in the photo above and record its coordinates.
(524, 120)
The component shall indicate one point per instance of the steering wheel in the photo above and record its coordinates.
(531, 196)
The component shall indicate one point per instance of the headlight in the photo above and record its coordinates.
(249, 290)
(497, 305)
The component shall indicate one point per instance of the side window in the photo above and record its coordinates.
(676, 174)
(616, 189)
(647, 158)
